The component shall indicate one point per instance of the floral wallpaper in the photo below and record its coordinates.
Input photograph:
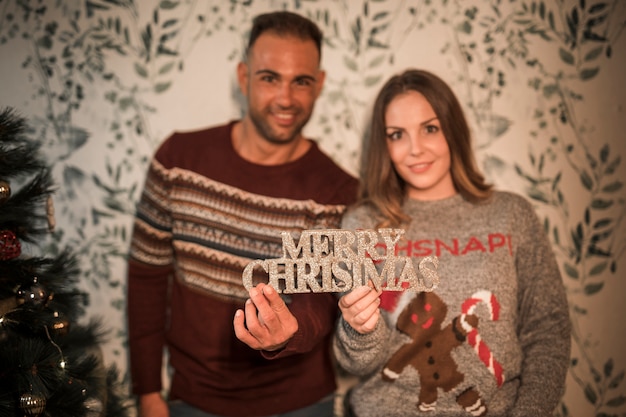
(103, 82)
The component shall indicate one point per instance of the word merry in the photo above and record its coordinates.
(339, 260)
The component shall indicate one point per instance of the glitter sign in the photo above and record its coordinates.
(339, 260)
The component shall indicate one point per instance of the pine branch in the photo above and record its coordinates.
(18, 156)
(23, 213)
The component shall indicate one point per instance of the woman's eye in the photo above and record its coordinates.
(395, 135)
(432, 128)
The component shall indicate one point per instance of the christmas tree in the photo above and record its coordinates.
(50, 364)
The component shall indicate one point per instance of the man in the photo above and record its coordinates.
(213, 201)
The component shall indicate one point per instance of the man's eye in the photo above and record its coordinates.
(304, 82)
(268, 78)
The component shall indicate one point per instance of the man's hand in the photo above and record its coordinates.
(360, 308)
(153, 405)
(267, 323)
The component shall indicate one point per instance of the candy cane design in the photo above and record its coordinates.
(474, 339)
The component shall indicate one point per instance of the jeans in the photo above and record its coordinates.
(322, 408)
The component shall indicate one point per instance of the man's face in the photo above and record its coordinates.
(281, 82)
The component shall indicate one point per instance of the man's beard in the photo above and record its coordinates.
(265, 130)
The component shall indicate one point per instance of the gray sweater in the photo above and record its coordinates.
(493, 339)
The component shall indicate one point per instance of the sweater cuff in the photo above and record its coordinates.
(368, 339)
(292, 347)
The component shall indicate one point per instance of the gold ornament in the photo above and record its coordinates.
(60, 325)
(33, 294)
(32, 404)
(5, 191)
(50, 214)
(4, 331)
(94, 407)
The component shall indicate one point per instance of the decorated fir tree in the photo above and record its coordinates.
(50, 364)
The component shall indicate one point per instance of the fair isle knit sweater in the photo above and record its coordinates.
(493, 339)
(204, 214)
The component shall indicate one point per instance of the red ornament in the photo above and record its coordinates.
(10, 246)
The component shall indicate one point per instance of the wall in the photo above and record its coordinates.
(103, 82)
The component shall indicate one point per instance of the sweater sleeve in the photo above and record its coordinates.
(544, 324)
(316, 315)
(147, 295)
(360, 354)
(149, 269)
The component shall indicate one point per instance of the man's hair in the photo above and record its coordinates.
(285, 23)
(381, 185)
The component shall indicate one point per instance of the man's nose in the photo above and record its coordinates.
(284, 96)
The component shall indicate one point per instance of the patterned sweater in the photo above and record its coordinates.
(493, 339)
(204, 214)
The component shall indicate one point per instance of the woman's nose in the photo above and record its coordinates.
(416, 144)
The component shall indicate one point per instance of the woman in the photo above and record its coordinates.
(493, 339)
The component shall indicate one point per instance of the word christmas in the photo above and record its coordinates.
(326, 261)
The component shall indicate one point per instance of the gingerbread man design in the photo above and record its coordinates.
(429, 352)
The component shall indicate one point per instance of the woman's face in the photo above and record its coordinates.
(417, 147)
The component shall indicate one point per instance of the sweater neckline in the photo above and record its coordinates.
(428, 205)
(285, 166)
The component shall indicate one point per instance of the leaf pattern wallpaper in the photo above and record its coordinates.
(543, 83)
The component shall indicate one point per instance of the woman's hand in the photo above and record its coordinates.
(360, 308)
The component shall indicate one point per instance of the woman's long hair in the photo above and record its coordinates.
(381, 186)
